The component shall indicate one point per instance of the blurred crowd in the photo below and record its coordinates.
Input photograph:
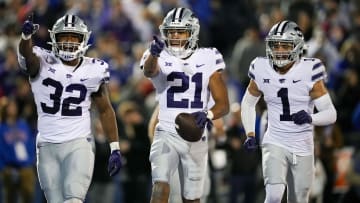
(122, 30)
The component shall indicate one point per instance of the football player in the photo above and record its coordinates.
(64, 83)
(291, 85)
(175, 193)
(184, 77)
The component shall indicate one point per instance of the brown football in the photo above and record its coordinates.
(186, 127)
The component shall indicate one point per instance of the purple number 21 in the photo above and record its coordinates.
(184, 103)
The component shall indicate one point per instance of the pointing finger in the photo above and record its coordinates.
(30, 17)
(155, 38)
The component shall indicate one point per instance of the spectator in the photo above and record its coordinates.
(317, 189)
(246, 48)
(135, 146)
(101, 182)
(9, 72)
(243, 177)
(353, 176)
(356, 118)
(17, 147)
(331, 139)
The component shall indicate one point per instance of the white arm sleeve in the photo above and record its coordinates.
(326, 111)
(248, 112)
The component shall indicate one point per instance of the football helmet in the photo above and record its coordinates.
(287, 33)
(69, 51)
(181, 19)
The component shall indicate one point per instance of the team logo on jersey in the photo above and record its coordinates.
(51, 70)
(281, 80)
(199, 65)
(266, 80)
(168, 64)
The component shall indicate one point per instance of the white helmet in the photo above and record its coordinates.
(285, 32)
(181, 19)
(69, 51)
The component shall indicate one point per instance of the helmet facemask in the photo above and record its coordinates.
(289, 40)
(179, 47)
(69, 51)
(177, 22)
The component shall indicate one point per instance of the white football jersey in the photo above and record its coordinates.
(62, 96)
(287, 94)
(182, 84)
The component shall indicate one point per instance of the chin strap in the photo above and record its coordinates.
(72, 55)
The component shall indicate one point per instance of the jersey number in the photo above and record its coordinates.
(283, 94)
(67, 102)
(184, 103)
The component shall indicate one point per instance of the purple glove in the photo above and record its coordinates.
(29, 28)
(156, 46)
(301, 117)
(114, 162)
(202, 120)
(250, 144)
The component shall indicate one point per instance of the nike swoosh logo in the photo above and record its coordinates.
(82, 80)
(198, 66)
(295, 81)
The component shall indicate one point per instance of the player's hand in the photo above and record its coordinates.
(250, 144)
(156, 46)
(114, 162)
(202, 120)
(301, 117)
(29, 28)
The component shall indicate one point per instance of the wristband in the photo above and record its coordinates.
(25, 37)
(209, 114)
(114, 146)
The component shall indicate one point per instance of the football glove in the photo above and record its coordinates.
(115, 164)
(29, 28)
(301, 117)
(156, 46)
(250, 144)
(202, 120)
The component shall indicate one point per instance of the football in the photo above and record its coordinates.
(186, 127)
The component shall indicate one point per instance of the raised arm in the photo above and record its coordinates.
(151, 67)
(28, 61)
